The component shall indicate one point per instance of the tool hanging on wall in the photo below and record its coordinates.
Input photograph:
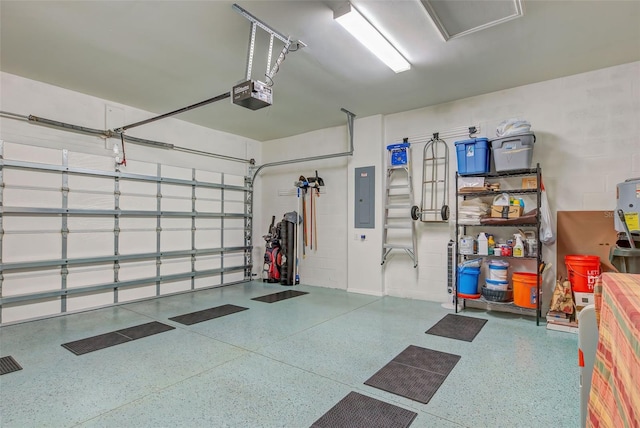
(309, 228)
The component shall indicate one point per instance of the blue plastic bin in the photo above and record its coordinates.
(468, 280)
(473, 156)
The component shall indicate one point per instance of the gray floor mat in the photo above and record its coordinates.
(95, 343)
(359, 411)
(9, 365)
(144, 330)
(457, 327)
(276, 297)
(207, 314)
(102, 341)
(416, 373)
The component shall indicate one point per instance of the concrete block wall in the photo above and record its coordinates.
(587, 141)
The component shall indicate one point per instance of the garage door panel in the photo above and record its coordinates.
(175, 287)
(28, 153)
(208, 281)
(176, 204)
(80, 276)
(233, 238)
(175, 240)
(33, 309)
(130, 271)
(136, 293)
(208, 262)
(137, 242)
(175, 266)
(90, 300)
(32, 198)
(138, 203)
(23, 247)
(91, 244)
(36, 281)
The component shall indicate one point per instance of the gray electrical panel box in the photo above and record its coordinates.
(365, 193)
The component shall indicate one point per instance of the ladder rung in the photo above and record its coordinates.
(398, 186)
(394, 226)
(434, 181)
(398, 206)
(397, 246)
(439, 158)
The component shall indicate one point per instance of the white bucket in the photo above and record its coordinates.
(498, 270)
(497, 285)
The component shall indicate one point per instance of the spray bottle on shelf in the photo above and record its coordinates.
(518, 248)
(491, 243)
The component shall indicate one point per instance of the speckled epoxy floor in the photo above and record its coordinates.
(280, 365)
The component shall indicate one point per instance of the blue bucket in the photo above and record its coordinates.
(468, 280)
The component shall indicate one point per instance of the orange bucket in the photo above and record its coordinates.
(583, 271)
(525, 294)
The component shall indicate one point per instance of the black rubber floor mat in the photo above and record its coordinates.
(144, 330)
(8, 365)
(427, 359)
(416, 373)
(406, 381)
(102, 341)
(457, 327)
(207, 314)
(276, 297)
(90, 344)
(359, 411)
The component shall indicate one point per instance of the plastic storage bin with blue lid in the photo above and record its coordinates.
(473, 156)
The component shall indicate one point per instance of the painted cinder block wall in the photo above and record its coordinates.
(587, 131)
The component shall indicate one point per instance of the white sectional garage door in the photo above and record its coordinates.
(76, 233)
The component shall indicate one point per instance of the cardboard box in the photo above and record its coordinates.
(529, 183)
(510, 211)
(584, 299)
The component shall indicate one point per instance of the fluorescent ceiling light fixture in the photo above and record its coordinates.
(370, 37)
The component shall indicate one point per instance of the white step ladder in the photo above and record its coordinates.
(399, 202)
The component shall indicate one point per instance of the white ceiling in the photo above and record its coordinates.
(160, 56)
